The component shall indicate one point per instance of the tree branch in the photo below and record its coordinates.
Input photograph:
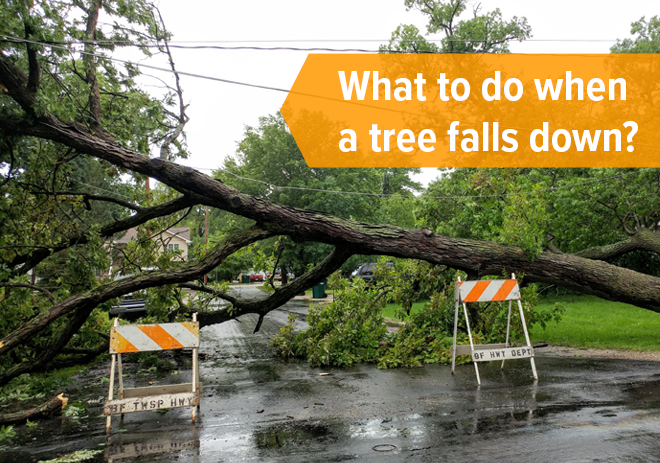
(643, 240)
(281, 295)
(31, 259)
(46, 410)
(34, 75)
(84, 303)
(14, 83)
(210, 290)
(182, 119)
(573, 272)
(48, 294)
(87, 356)
(88, 196)
(90, 35)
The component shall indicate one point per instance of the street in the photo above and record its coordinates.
(256, 407)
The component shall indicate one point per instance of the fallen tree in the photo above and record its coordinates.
(44, 331)
(44, 411)
(475, 257)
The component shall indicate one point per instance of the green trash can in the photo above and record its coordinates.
(318, 291)
(245, 279)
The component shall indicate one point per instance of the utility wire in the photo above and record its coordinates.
(384, 195)
(358, 193)
(103, 189)
(215, 79)
(184, 73)
(207, 46)
(18, 39)
(184, 43)
(149, 66)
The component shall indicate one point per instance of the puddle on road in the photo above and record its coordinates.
(645, 395)
(146, 448)
(287, 434)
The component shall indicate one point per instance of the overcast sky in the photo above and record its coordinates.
(219, 112)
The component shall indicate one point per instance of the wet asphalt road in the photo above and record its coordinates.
(580, 410)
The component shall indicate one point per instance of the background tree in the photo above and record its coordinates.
(481, 33)
(646, 38)
(268, 164)
(605, 214)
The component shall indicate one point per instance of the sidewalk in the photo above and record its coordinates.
(308, 298)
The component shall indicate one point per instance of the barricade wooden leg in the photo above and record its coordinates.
(529, 343)
(121, 385)
(108, 422)
(453, 351)
(508, 326)
(195, 379)
(467, 324)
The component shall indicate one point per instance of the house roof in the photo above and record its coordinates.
(181, 232)
(131, 234)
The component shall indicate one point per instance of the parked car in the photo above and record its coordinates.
(129, 308)
(366, 271)
(257, 277)
(278, 275)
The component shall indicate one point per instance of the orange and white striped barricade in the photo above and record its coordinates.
(148, 338)
(490, 291)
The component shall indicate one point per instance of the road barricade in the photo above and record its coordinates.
(148, 338)
(490, 291)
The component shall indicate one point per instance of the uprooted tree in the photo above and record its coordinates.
(72, 123)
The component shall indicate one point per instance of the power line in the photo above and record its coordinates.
(207, 43)
(108, 43)
(201, 76)
(359, 193)
(191, 74)
(18, 39)
(149, 66)
(102, 189)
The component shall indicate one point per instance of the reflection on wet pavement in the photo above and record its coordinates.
(256, 407)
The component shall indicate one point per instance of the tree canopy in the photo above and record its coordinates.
(482, 33)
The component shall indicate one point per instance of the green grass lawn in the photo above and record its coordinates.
(593, 322)
(590, 322)
(390, 309)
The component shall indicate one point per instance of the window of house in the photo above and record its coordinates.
(173, 247)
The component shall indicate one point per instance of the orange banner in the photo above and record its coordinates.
(440, 110)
